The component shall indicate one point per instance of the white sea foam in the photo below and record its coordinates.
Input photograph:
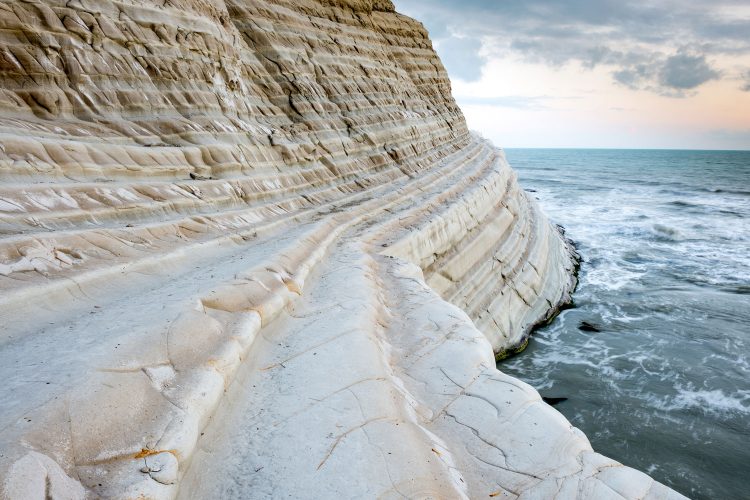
(667, 232)
(708, 401)
(663, 241)
(611, 277)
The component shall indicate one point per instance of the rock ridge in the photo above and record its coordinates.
(250, 248)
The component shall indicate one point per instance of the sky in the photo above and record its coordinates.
(597, 73)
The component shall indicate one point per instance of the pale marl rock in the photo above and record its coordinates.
(162, 467)
(23, 480)
(248, 247)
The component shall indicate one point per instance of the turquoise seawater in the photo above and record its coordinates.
(664, 384)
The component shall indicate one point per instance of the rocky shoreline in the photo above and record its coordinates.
(249, 249)
(566, 302)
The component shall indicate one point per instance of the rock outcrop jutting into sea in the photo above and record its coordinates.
(249, 249)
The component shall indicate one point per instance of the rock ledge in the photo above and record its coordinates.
(250, 249)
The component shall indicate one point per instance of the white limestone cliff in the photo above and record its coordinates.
(249, 249)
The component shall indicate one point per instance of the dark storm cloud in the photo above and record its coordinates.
(663, 46)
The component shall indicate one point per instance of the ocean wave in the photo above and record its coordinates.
(666, 275)
(737, 289)
(685, 204)
(610, 277)
(635, 257)
(714, 401)
(626, 318)
(733, 213)
(728, 191)
(544, 169)
(664, 232)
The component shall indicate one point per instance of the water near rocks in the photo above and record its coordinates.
(655, 358)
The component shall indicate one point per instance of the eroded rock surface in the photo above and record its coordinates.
(250, 247)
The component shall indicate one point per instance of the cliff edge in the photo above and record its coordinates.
(249, 249)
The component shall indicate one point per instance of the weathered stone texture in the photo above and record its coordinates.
(209, 206)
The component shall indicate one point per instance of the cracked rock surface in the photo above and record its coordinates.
(249, 248)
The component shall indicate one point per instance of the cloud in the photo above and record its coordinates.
(634, 77)
(685, 71)
(510, 101)
(663, 46)
(669, 75)
(746, 85)
(461, 57)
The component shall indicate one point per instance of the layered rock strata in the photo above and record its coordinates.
(250, 249)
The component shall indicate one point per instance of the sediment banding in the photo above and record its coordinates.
(232, 228)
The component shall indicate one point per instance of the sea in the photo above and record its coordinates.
(654, 357)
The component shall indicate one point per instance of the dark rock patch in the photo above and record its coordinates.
(553, 401)
(585, 326)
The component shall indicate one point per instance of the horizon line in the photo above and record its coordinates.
(594, 148)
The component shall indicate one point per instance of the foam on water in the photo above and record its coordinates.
(663, 386)
(715, 401)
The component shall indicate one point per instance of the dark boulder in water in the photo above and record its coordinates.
(585, 326)
(553, 401)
